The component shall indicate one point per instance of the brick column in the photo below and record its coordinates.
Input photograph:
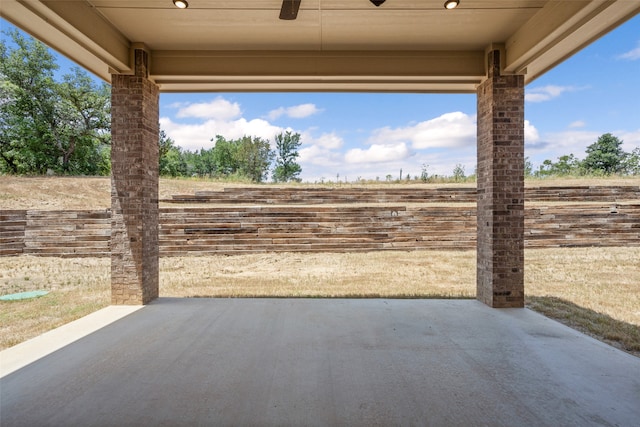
(134, 185)
(500, 270)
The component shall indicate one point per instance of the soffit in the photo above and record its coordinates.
(320, 25)
(348, 45)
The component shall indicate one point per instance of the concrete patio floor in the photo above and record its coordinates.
(322, 362)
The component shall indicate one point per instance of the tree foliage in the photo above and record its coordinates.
(172, 161)
(458, 173)
(246, 158)
(287, 146)
(254, 157)
(566, 165)
(632, 162)
(605, 155)
(48, 126)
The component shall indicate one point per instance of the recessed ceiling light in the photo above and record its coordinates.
(451, 4)
(181, 4)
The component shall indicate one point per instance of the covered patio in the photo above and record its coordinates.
(184, 362)
(318, 362)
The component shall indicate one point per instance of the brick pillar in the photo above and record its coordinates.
(134, 185)
(500, 270)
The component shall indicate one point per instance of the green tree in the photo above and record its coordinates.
(632, 162)
(566, 165)
(104, 163)
(224, 157)
(424, 172)
(83, 123)
(172, 161)
(246, 157)
(254, 158)
(458, 173)
(48, 125)
(528, 167)
(28, 90)
(191, 159)
(605, 155)
(287, 146)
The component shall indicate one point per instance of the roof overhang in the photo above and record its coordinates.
(402, 46)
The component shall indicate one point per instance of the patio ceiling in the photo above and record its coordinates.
(347, 45)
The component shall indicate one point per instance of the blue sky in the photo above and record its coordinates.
(375, 135)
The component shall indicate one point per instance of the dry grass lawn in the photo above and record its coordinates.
(374, 274)
(596, 290)
(76, 288)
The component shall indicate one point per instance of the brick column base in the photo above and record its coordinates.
(134, 186)
(500, 271)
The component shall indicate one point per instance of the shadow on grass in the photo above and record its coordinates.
(621, 335)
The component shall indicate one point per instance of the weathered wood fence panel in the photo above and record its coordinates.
(12, 229)
(578, 225)
(308, 196)
(64, 233)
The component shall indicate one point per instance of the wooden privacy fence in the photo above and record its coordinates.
(342, 195)
(55, 233)
(237, 229)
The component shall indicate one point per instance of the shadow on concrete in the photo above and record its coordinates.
(327, 362)
(371, 295)
(622, 335)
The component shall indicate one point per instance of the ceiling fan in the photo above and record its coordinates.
(289, 9)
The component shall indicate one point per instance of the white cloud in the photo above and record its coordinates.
(531, 134)
(321, 157)
(630, 139)
(390, 150)
(218, 109)
(319, 163)
(178, 105)
(378, 153)
(296, 112)
(546, 93)
(330, 141)
(318, 156)
(632, 55)
(275, 114)
(323, 147)
(192, 136)
(577, 124)
(303, 110)
(553, 145)
(449, 130)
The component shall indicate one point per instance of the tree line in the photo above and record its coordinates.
(243, 159)
(603, 157)
(63, 127)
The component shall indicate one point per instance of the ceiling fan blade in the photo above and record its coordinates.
(289, 10)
